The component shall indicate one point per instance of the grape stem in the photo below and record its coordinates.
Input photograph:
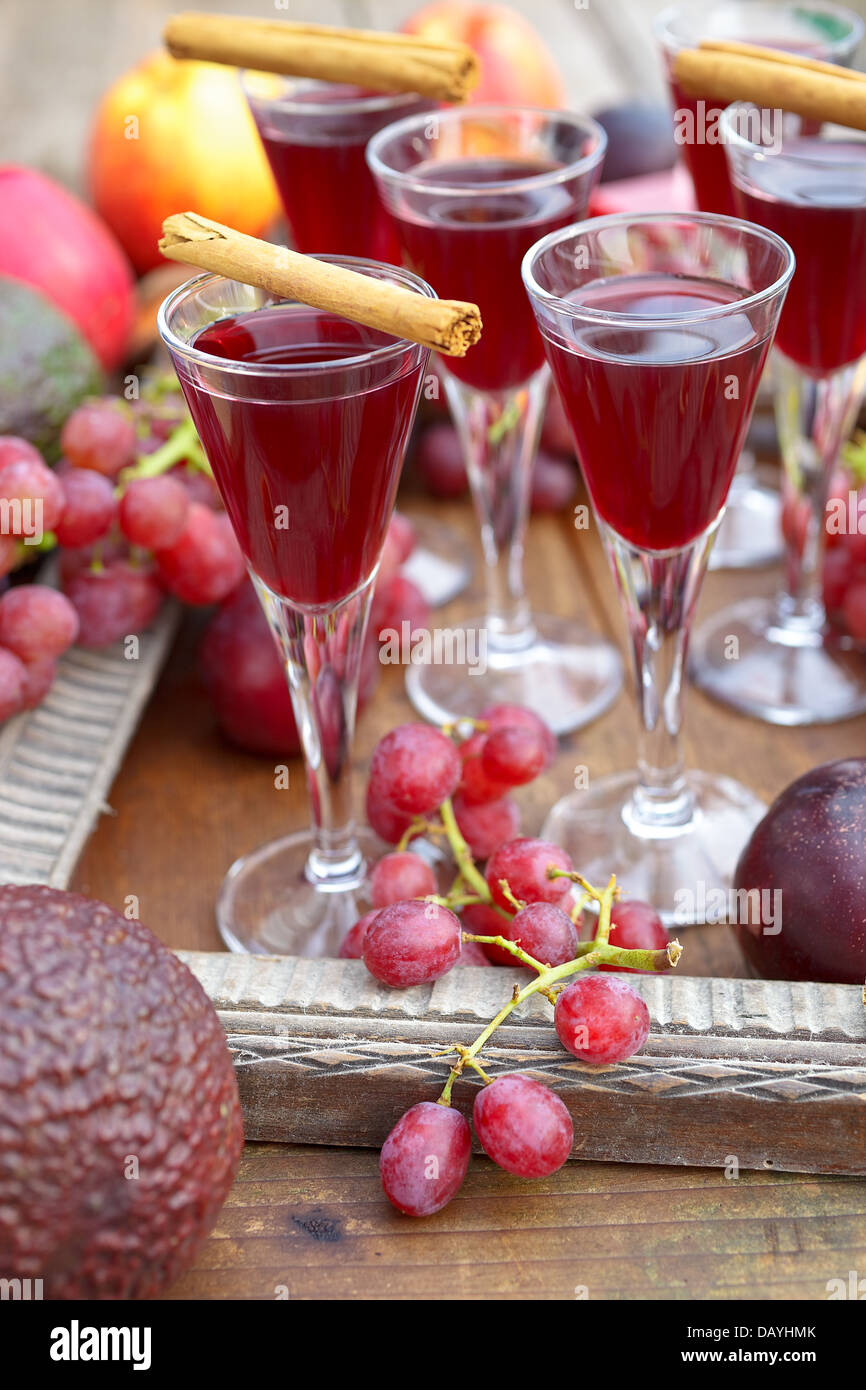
(600, 953)
(182, 443)
(462, 855)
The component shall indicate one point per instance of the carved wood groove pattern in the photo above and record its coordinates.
(771, 1072)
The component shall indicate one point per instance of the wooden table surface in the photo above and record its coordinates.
(314, 1219)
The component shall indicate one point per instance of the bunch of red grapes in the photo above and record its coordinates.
(524, 908)
(135, 513)
(134, 517)
(844, 571)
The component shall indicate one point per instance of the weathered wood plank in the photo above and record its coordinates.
(772, 1074)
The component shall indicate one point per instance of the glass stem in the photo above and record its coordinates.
(659, 593)
(814, 416)
(323, 651)
(499, 431)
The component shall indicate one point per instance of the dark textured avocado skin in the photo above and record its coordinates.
(46, 367)
(811, 845)
(120, 1123)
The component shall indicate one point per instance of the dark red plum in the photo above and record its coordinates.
(810, 849)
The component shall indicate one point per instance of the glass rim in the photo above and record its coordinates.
(276, 369)
(610, 317)
(672, 44)
(458, 114)
(735, 140)
(374, 101)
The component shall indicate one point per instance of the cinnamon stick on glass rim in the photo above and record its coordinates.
(753, 50)
(360, 57)
(774, 80)
(449, 326)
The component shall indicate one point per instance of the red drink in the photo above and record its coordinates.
(704, 152)
(814, 195)
(315, 141)
(471, 247)
(308, 468)
(658, 413)
(816, 30)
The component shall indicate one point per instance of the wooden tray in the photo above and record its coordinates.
(57, 762)
(764, 1074)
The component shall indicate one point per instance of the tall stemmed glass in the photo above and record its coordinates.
(657, 327)
(315, 135)
(470, 190)
(304, 417)
(777, 658)
(751, 532)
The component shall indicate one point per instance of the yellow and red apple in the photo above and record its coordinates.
(170, 136)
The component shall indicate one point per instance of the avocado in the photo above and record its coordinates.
(46, 367)
(120, 1122)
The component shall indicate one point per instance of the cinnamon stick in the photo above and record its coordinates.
(753, 50)
(362, 58)
(449, 326)
(792, 86)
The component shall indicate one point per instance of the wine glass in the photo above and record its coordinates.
(751, 531)
(778, 658)
(315, 136)
(304, 417)
(469, 191)
(657, 327)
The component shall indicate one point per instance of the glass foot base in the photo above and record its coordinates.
(750, 534)
(439, 564)
(267, 905)
(680, 868)
(745, 658)
(567, 675)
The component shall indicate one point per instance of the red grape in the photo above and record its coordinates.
(245, 678)
(476, 788)
(415, 768)
(13, 682)
(38, 681)
(389, 824)
(523, 863)
(486, 827)
(400, 876)
(479, 919)
(36, 621)
(855, 541)
(9, 553)
(425, 1157)
(544, 931)
(854, 611)
(411, 944)
(523, 1126)
(89, 510)
(635, 926)
(353, 942)
(205, 564)
(440, 461)
(601, 1021)
(200, 486)
(26, 480)
(114, 602)
(515, 755)
(402, 535)
(398, 600)
(836, 574)
(519, 717)
(100, 435)
(154, 511)
(14, 449)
